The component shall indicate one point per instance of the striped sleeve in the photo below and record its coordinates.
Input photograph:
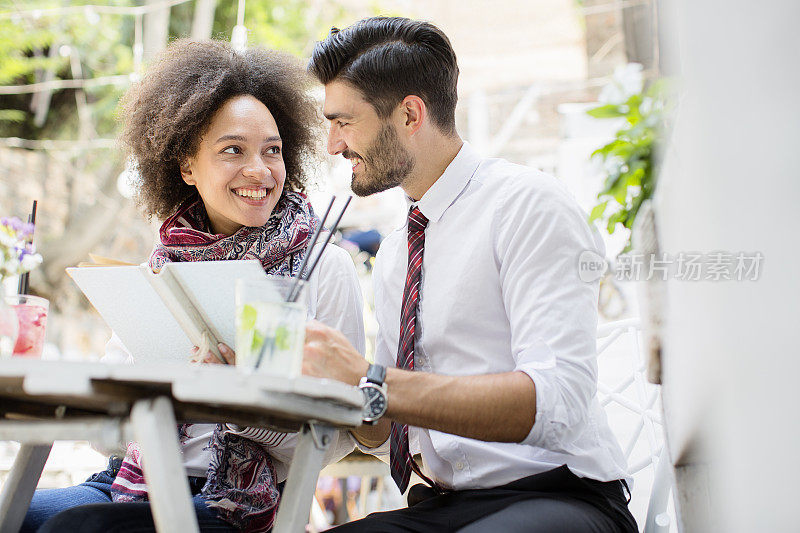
(265, 437)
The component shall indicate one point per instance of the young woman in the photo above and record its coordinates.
(221, 140)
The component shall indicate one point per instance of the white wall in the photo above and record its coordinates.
(731, 350)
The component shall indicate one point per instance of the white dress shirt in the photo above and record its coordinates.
(335, 300)
(500, 292)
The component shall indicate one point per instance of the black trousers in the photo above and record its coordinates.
(556, 501)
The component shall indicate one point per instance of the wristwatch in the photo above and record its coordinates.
(375, 396)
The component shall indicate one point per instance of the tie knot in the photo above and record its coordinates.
(416, 220)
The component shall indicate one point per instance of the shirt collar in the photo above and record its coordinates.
(446, 189)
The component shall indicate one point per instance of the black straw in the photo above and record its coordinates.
(24, 279)
(294, 292)
(310, 247)
(327, 240)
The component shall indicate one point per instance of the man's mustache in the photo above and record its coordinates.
(349, 154)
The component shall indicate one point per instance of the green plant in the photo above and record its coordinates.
(629, 161)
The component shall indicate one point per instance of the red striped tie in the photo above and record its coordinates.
(400, 458)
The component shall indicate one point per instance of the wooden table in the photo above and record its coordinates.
(45, 401)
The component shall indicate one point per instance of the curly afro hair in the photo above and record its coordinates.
(166, 114)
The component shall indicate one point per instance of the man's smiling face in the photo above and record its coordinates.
(371, 144)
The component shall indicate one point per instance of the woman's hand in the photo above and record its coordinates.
(208, 357)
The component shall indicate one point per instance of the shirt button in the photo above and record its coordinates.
(459, 466)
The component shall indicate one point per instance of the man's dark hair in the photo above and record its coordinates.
(167, 113)
(389, 58)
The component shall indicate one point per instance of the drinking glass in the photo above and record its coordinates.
(32, 316)
(270, 330)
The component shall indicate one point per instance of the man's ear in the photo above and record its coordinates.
(413, 112)
(186, 173)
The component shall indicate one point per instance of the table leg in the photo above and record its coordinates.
(20, 485)
(155, 430)
(295, 503)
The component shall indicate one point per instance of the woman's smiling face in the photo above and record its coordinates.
(238, 168)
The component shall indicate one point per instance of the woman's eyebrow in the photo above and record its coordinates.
(230, 138)
(243, 139)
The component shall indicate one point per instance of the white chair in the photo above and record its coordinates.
(634, 410)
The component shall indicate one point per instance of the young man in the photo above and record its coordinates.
(485, 357)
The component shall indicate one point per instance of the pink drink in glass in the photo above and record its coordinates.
(32, 316)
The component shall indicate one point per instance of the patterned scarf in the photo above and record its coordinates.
(241, 481)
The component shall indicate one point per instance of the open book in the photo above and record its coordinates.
(159, 317)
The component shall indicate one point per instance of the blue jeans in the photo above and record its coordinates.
(87, 508)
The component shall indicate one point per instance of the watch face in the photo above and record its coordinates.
(374, 402)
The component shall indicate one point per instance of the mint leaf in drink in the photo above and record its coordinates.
(258, 340)
(283, 339)
(247, 317)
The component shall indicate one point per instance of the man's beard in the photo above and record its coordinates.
(386, 164)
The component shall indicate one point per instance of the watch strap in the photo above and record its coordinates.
(376, 374)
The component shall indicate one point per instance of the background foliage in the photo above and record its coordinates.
(30, 46)
(630, 160)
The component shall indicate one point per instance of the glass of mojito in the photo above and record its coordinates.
(270, 329)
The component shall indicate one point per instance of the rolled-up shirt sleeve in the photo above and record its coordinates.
(281, 446)
(540, 235)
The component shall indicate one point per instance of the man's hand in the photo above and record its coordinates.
(328, 354)
(491, 407)
(208, 357)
